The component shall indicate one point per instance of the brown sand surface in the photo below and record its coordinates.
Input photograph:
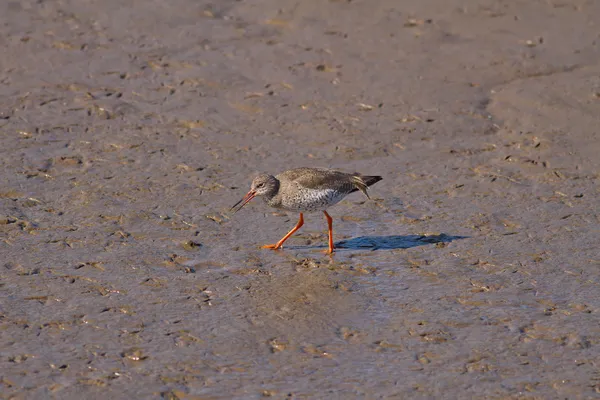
(128, 129)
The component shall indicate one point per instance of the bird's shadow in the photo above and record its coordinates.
(392, 242)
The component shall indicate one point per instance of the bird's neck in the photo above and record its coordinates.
(272, 193)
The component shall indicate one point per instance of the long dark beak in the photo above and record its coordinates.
(249, 196)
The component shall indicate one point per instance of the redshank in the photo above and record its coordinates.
(306, 190)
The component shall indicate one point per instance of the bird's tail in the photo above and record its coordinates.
(362, 182)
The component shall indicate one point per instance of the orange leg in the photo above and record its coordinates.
(286, 237)
(330, 226)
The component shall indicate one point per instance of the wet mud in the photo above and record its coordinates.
(128, 129)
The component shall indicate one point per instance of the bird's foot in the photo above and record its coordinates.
(329, 251)
(275, 246)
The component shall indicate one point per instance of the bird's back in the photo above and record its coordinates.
(315, 189)
(316, 178)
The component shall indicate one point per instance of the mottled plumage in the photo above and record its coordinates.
(312, 189)
(307, 190)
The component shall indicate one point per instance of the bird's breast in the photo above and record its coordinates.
(307, 200)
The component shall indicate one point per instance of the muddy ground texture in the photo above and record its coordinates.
(128, 129)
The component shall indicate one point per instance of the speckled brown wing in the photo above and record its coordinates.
(317, 178)
(293, 174)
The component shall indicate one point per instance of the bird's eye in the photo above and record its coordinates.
(261, 185)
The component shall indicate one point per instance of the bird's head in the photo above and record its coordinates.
(262, 185)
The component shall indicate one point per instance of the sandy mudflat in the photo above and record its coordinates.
(128, 129)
